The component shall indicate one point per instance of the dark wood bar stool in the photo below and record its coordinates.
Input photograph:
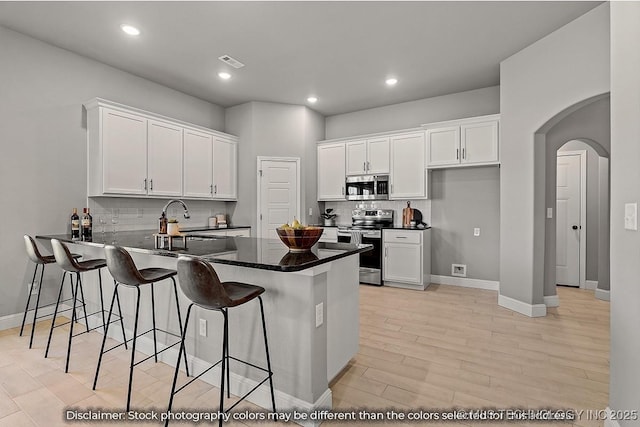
(125, 272)
(66, 260)
(200, 283)
(40, 261)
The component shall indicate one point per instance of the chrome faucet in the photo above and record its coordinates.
(186, 211)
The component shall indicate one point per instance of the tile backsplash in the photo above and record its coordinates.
(343, 209)
(143, 214)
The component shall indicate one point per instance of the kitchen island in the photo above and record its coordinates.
(311, 308)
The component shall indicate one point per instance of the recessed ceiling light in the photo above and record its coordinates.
(130, 29)
(391, 81)
(312, 99)
(224, 76)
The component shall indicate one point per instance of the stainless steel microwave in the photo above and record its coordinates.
(367, 187)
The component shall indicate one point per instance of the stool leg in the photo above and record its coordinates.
(182, 349)
(104, 338)
(55, 312)
(153, 323)
(124, 336)
(133, 347)
(175, 292)
(104, 326)
(226, 355)
(35, 311)
(266, 347)
(26, 308)
(73, 319)
(84, 305)
(225, 337)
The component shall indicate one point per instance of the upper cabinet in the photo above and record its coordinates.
(466, 142)
(136, 153)
(368, 156)
(331, 171)
(408, 176)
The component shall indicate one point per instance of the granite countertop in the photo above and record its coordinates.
(267, 254)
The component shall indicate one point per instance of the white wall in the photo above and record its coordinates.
(278, 130)
(560, 70)
(625, 176)
(43, 139)
(412, 114)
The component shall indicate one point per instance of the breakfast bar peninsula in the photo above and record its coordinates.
(311, 309)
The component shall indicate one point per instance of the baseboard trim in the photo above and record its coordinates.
(466, 282)
(603, 294)
(14, 320)
(530, 310)
(552, 301)
(591, 284)
(609, 422)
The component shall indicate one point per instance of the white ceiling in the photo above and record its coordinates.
(339, 51)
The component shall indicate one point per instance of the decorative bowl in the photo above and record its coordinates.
(299, 239)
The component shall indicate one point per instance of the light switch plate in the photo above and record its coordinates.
(631, 216)
(203, 327)
(319, 314)
(476, 231)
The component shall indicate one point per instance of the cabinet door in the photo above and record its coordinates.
(198, 164)
(443, 146)
(402, 263)
(124, 150)
(224, 169)
(479, 142)
(164, 156)
(408, 173)
(378, 156)
(356, 157)
(331, 171)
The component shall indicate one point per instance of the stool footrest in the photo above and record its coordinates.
(198, 376)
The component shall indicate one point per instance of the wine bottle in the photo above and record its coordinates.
(87, 224)
(75, 224)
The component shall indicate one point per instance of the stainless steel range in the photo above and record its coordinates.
(366, 227)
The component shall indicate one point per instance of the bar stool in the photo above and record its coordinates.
(40, 261)
(125, 272)
(71, 265)
(200, 283)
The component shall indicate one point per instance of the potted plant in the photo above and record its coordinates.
(173, 229)
(329, 218)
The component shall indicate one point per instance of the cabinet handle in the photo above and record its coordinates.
(343, 191)
(211, 189)
(457, 154)
(401, 237)
(367, 165)
(364, 166)
(386, 251)
(463, 154)
(145, 184)
(151, 184)
(215, 189)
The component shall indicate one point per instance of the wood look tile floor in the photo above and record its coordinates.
(447, 347)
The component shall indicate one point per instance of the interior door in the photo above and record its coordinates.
(568, 205)
(279, 195)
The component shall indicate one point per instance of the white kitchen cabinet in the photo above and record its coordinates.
(132, 152)
(225, 175)
(408, 177)
(198, 164)
(406, 258)
(370, 156)
(119, 155)
(468, 142)
(164, 157)
(331, 171)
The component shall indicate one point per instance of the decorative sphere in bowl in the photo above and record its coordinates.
(299, 239)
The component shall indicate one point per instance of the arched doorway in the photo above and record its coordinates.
(586, 123)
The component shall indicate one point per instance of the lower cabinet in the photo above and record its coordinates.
(406, 259)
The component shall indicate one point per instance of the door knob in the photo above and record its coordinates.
(575, 227)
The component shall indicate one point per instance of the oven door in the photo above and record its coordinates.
(370, 261)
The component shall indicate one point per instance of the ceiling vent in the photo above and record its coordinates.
(231, 61)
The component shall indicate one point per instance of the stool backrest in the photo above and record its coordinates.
(63, 256)
(122, 267)
(32, 250)
(200, 283)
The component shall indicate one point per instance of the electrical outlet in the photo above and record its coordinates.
(459, 270)
(34, 290)
(631, 216)
(549, 213)
(203, 327)
(319, 314)
(476, 231)
(310, 211)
